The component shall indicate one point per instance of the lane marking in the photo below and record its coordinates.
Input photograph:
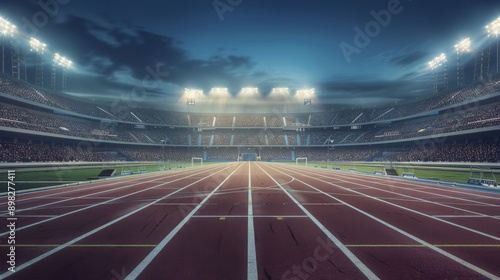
(465, 216)
(422, 245)
(347, 245)
(323, 204)
(383, 181)
(418, 240)
(59, 248)
(91, 194)
(152, 255)
(78, 188)
(361, 266)
(252, 273)
(251, 216)
(81, 245)
(100, 203)
(29, 216)
(399, 206)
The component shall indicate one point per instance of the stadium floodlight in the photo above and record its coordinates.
(280, 91)
(305, 92)
(62, 61)
(219, 92)
(434, 65)
(493, 28)
(462, 47)
(493, 31)
(6, 28)
(37, 46)
(437, 61)
(65, 64)
(193, 92)
(249, 91)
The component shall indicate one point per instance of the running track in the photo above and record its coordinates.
(250, 220)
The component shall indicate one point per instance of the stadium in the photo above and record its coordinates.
(191, 168)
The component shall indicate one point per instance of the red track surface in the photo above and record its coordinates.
(307, 224)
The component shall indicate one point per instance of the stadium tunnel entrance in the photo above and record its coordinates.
(248, 154)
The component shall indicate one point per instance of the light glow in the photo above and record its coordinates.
(6, 27)
(463, 46)
(438, 61)
(62, 61)
(219, 92)
(493, 28)
(37, 46)
(305, 93)
(193, 92)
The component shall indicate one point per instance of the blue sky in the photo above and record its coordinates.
(263, 44)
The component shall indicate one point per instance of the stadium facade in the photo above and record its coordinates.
(44, 125)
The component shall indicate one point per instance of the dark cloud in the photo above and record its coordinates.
(108, 51)
(376, 91)
(409, 58)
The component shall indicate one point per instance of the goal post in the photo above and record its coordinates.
(301, 161)
(196, 160)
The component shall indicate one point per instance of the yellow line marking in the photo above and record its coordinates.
(222, 218)
(81, 245)
(279, 218)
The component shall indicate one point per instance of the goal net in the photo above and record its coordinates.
(482, 176)
(196, 162)
(301, 161)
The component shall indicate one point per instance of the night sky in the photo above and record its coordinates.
(241, 43)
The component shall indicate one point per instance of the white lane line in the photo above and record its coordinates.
(29, 216)
(438, 196)
(96, 193)
(55, 250)
(150, 257)
(361, 266)
(323, 204)
(252, 273)
(466, 216)
(453, 257)
(95, 185)
(100, 203)
(383, 181)
(250, 216)
(405, 208)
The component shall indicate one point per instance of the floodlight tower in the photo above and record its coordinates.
(493, 30)
(38, 48)
(7, 29)
(435, 65)
(461, 48)
(65, 64)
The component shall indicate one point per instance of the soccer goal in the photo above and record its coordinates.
(301, 161)
(482, 176)
(408, 171)
(196, 160)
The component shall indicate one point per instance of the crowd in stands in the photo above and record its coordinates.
(36, 152)
(29, 152)
(122, 110)
(471, 118)
(474, 152)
